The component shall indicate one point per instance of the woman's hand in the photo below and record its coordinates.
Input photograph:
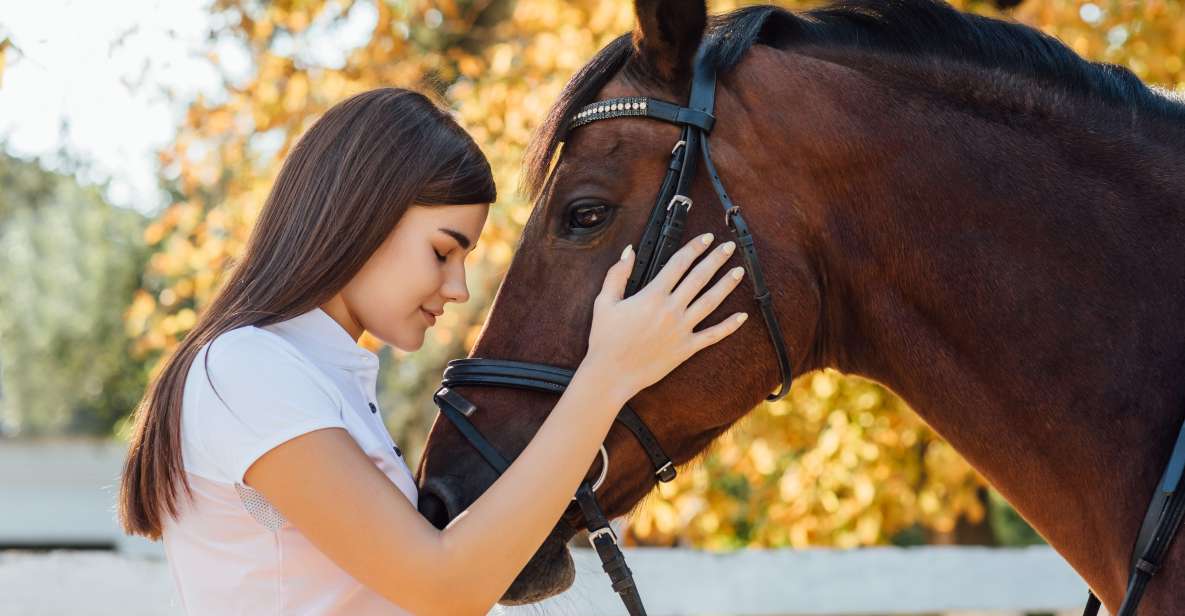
(644, 337)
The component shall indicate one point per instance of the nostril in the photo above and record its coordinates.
(432, 506)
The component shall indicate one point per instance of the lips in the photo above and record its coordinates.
(430, 317)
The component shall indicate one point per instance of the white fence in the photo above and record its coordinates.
(768, 582)
(62, 492)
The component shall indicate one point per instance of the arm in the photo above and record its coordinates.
(374, 533)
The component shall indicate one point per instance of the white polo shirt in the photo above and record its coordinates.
(229, 551)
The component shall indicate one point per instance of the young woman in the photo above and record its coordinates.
(258, 452)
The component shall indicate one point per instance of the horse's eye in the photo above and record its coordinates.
(588, 216)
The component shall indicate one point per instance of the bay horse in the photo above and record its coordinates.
(959, 208)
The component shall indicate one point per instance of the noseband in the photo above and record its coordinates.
(662, 237)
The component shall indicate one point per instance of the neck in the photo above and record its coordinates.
(1024, 300)
(337, 310)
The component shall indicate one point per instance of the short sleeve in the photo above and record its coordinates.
(263, 394)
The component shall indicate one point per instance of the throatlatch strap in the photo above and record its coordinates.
(740, 229)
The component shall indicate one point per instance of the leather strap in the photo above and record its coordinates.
(531, 377)
(457, 409)
(761, 294)
(703, 95)
(649, 242)
(538, 377)
(677, 114)
(1157, 531)
(604, 541)
(664, 469)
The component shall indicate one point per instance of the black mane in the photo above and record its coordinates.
(915, 28)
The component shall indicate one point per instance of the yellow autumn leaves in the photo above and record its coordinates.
(841, 461)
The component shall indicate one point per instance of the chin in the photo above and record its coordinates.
(410, 339)
(408, 343)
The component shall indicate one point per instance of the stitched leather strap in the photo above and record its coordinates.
(531, 377)
(604, 541)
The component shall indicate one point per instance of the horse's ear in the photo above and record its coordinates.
(668, 34)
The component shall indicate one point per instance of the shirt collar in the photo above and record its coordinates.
(316, 333)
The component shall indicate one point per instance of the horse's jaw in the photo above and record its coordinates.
(549, 572)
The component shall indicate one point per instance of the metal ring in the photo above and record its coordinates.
(604, 470)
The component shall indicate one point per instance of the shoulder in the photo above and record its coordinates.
(247, 391)
(247, 344)
(254, 357)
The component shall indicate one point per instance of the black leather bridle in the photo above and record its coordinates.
(662, 237)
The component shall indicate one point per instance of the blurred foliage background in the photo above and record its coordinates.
(93, 296)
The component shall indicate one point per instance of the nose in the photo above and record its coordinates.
(455, 288)
(436, 503)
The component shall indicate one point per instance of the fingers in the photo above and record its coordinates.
(718, 332)
(618, 276)
(706, 303)
(680, 262)
(702, 274)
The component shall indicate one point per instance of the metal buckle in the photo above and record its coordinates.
(602, 532)
(730, 217)
(604, 470)
(666, 473)
(680, 144)
(679, 199)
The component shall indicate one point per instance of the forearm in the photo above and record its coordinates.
(488, 544)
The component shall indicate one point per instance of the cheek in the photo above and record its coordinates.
(393, 286)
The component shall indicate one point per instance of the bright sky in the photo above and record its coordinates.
(93, 78)
(108, 81)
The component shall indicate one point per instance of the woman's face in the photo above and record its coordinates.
(419, 268)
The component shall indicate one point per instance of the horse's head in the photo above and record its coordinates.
(597, 198)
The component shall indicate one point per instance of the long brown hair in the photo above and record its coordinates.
(339, 194)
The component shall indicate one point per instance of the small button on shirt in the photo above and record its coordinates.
(229, 550)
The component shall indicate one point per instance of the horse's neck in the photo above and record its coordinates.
(1027, 300)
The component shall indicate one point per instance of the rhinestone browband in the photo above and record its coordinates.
(613, 108)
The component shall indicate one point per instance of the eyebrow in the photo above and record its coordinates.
(461, 238)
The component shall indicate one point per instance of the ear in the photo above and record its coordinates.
(668, 34)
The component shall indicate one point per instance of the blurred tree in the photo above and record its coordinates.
(228, 151)
(69, 263)
(27, 186)
(5, 46)
(841, 462)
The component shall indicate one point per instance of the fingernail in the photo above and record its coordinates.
(728, 247)
(737, 273)
(742, 317)
(625, 254)
(706, 239)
